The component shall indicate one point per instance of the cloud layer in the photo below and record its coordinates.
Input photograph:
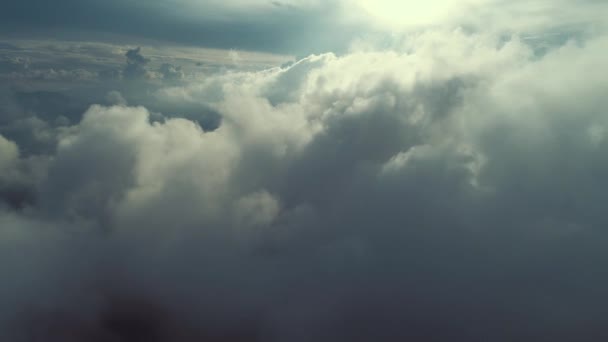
(299, 27)
(448, 188)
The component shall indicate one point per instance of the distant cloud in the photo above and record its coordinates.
(136, 65)
(12, 64)
(171, 72)
(115, 98)
(294, 26)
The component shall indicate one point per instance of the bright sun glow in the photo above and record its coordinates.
(408, 13)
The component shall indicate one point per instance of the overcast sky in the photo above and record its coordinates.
(303, 170)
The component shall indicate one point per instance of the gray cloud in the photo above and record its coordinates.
(136, 64)
(10, 64)
(249, 25)
(171, 72)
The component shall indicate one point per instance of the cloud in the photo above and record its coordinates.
(8, 153)
(11, 64)
(115, 98)
(433, 190)
(54, 75)
(136, 65)
(246, 25)
(18, 177)
(171, 72)
(299, 27)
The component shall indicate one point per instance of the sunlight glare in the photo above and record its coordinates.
(408, 13)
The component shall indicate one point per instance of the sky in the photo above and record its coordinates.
(303, 170)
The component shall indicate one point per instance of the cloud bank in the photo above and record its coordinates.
(431, 180)
(448, 188)
(299, 27)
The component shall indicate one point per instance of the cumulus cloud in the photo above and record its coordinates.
(449, 186)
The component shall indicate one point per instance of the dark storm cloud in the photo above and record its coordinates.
(285, 28)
